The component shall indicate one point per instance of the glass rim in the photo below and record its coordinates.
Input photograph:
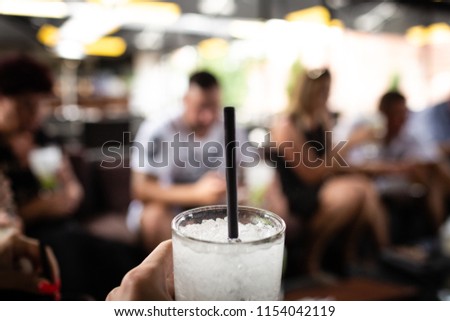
(267, 239)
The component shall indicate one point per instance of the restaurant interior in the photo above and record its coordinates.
(118, 63)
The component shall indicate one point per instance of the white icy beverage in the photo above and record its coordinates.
(207, 266)
(45, 163)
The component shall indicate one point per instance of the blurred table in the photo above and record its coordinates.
(355, 289)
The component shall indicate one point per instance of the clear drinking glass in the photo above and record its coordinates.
(209, 267)
(45, 163)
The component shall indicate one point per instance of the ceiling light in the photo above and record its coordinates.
(48, 35)
(213, 48)
(217, 7)
(316, 14)
(44, 9)
(439, 33)
(107, 47)
(89, 23)
(72, 50)
(417, 35)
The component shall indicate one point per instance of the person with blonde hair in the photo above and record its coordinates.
(322, 198)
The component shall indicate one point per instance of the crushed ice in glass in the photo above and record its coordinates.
(217, 231)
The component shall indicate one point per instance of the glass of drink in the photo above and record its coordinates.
(44, 163)
(207, 266)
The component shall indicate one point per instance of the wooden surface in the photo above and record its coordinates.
(355, 289)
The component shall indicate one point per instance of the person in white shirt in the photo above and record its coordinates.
(405, 162)
(178, 163)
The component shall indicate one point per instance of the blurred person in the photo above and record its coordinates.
(89, 266)
(22, 271)
(21, 262)
(171, 162)
(405, 161)
(433, 124)
(25, 88)
(318, 202)
(20, 280)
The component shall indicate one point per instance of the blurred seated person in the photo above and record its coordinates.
(321, 200)
(178, 163)
(90, 266)
(440, 126)
(23, 275)
(22, 272)
(434, 125)
(25, 87)
(403, 162)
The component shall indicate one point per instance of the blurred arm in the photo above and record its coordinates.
(207, 190)
(303, 161)
(60, 203)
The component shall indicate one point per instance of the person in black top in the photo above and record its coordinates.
(319, 202)
(25, 87)
(90, 266)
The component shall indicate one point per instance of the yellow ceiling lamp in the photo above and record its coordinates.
(105, 46)
(213, 48)
(437, 33)
(317, 15)
(35, 8)
(336, 23)
(84, 33)
(417, 35)
(48, 35)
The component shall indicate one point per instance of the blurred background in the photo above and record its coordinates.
(118, 62)
(132, 56)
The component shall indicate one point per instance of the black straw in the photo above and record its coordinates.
(230, 157)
